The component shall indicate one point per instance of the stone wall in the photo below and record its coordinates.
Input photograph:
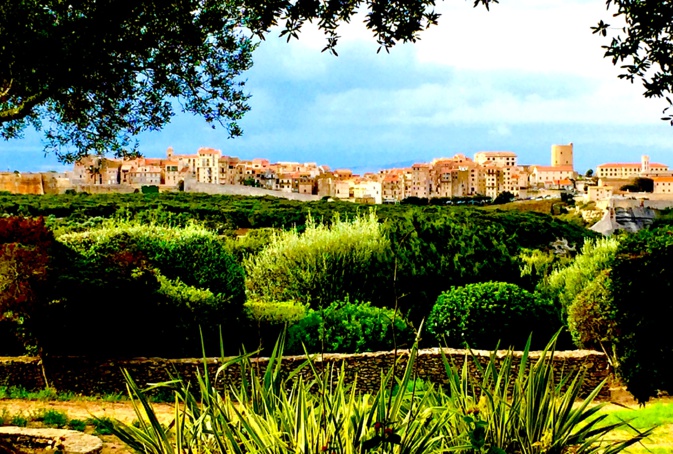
(21, 183)
(89, 376)
(236, 189)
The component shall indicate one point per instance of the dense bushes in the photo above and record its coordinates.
(26, 259)
(481, 315)
(591, 316)
(642, 282)
(143, 252)
(566, 283)
(434, 253)
(349, 258)
(346, 327)
(157, 285)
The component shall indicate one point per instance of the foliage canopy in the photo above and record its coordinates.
(482, 315)
(642, 280)
(96, 73)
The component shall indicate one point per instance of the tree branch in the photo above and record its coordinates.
(5, 92)
(23, 109)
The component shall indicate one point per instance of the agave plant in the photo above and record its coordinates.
(508, 410)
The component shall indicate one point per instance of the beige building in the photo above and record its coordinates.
(421, 183)
(208, 165)
(499, 158)
(550, 176)
(367, 191)
(663, 185)
(622, 170)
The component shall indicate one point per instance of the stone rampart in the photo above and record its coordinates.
(21, 183)
(236, 189)
(89, 376)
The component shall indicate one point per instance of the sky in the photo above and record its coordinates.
(524, 76)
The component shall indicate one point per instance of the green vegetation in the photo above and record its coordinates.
(50, 418)
(511, 409)
(174, 280)
(566, 283)
(250, 268)
(485, 314)
(642, 280)
(349, 327)
(325, 263)
(591, 316)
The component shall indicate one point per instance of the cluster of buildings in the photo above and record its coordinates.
(489, 173)
(613, 177)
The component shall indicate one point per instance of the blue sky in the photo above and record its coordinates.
(521, 77)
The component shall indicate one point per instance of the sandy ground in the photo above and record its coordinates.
(83, 410)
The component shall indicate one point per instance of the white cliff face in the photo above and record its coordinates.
(629, 215)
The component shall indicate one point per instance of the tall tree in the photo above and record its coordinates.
(643, 47)
(94, 73)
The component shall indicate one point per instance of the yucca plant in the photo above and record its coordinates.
(528, 410)
(312, 409)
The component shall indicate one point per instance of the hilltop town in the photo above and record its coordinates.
(488, 173)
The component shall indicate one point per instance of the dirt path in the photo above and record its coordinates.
(84, 410)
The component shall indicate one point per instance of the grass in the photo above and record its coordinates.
(658, 414)
(19, 392)
(50, 417)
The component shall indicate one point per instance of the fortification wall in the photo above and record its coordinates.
(90, 376)
(234, 189)
(21, 183)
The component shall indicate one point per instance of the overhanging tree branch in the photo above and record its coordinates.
(23, 109)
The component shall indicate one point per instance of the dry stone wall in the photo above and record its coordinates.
(90, 376)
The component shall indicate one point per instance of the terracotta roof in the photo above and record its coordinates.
(208, 151)
(496, 153)
(629, 165)
(662, 179)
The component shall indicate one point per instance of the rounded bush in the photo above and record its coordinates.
(345, 327)
(591, 316)
(481, 315)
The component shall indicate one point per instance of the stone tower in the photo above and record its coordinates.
(562, 155)
(645, 164)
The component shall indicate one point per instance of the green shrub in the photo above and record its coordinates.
(77, 424)
(642, 282)
(193, 254)
(270, 320)
(323, 264)
(346, 327)
(19, 420)
(481, 315)
(591, 316)
(173, 280)
(51, 418)
(566, 283)
(436, 250)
